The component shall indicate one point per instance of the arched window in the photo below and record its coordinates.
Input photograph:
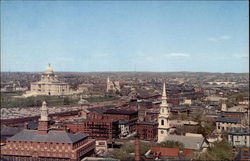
(162, 122)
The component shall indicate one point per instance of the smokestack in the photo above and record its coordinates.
(137, 148)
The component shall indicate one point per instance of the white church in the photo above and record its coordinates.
(190, 141)
(163, 118)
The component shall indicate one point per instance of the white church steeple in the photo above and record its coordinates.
(163, 119)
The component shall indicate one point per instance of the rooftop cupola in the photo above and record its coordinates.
(49, 70)
(43, 125)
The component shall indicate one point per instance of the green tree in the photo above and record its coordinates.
(66, 101)
(219, 151)
(171, 144)
(125, 152)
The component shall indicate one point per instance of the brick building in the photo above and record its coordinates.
(45, 144)
(130, 116)
(102, 129)
(147, 130)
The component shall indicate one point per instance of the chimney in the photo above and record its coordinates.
(137, 148)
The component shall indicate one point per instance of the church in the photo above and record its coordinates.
(163, 118)
(48, 85)
(113, 86)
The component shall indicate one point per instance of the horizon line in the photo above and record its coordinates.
(123, 72)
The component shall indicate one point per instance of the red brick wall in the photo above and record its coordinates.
(58, 150)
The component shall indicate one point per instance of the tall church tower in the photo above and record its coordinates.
(43, 125)
(163, 118)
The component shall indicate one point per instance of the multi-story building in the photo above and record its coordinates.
(147, 130)
(130, 116)
(95, 128)
(113, 86)
(224, 123)
(102, 129)
(45, 144)
(239, 137)
(48, 85)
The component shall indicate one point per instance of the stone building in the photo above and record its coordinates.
(48, 85)
(163, 118)
(224, 123)
(239, 137)
(113, 86)
(45, 144)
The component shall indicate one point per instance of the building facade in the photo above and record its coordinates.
(147, 130)
(113, 86)
(48, 85)
(45, 144)
(239, 137)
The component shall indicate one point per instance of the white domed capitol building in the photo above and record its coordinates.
(48, 85)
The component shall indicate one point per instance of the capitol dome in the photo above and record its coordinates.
(49, 70)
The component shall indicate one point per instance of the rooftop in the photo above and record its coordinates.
(228, 119)
(189, 142)
(52, 136)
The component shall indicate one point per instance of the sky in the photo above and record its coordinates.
(157, 36)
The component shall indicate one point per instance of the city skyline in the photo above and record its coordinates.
(158, 36)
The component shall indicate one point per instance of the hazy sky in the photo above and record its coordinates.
(125, 36)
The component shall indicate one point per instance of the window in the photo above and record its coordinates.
(162, 110)
(162, 122)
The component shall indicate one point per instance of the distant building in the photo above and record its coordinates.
(195, 142)
(130, 116)
(124, 128)
(45, 144)
(48, 85)
(147, 130)
(165, 153)
(113, 86)
(224, 123)
(239, 137)
(101, 146)
(243, 155)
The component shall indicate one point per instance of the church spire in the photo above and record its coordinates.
(164, 96)
(163, 118)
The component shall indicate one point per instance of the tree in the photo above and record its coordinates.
(220, 151)
(126, 151)
(171, 144)
(66, 101)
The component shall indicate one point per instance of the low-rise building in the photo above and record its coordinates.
(224, 123)
(165, 153)
(239, 137)
(45, 144)
(196, 143)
